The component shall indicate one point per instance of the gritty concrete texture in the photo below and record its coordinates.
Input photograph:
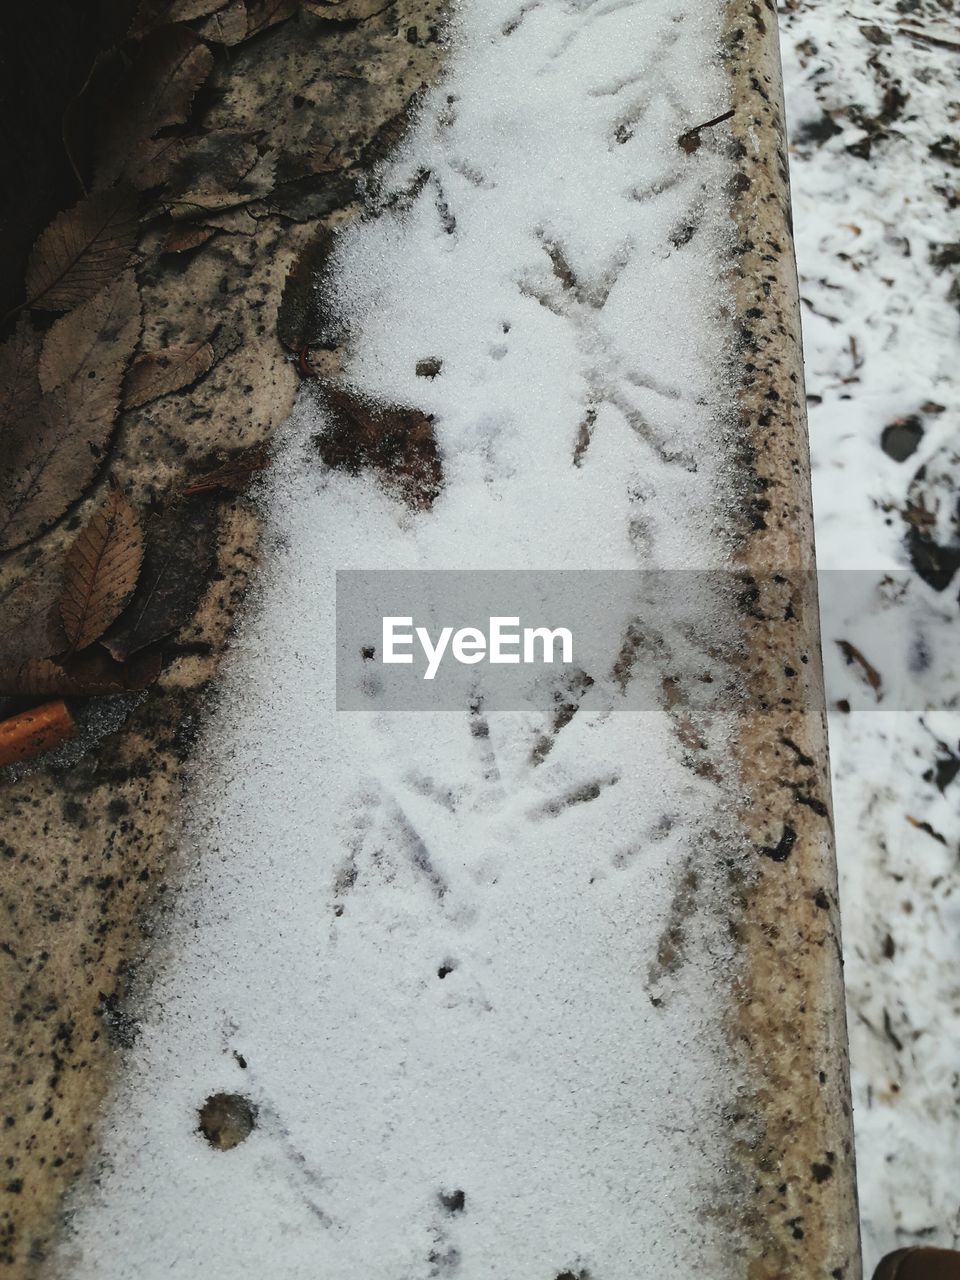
(790, 1014)
(87, 841)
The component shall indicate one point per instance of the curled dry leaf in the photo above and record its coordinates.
(160, 13)
(208, 199)
(89, 343)
(394, 440)
(19, 388)
(29, 607)
(186, 239)
(867, 670)
(346, 10)
(158, 373)
(300, 317)
(82, 250)
(156, 93)
(101, 571)
(262, 14)
(178, 563)
(227, 26)
(217, 162)
(51, 456)
(233, 475)
(88, 674)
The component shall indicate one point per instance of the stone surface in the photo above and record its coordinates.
(87, 841)
(790, 1015)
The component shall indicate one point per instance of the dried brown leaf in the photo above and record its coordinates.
(81, 675)
(346, 10)
(233, 475)
(156, 93)
(158, 373)
(227, 26)
(30, 613)
(217, 162)
(19, 388)
(262, 14)
(159, 13)
(394, 440)
(300, 317)
(89, 343)
(101, 571)
(207, 198)
(50, 458)
(185, 239)
(178, 563)
(867, 670)
(82, 250)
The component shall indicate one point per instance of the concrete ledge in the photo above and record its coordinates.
(791, 1017)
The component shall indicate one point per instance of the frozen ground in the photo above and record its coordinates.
(874, 104)
(469, 971)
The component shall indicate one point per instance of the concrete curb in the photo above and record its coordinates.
(790, 1018)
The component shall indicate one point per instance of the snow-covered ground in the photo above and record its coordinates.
(469, 972)
(873, 103)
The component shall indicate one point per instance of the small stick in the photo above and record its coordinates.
(690, 140)
(32, 732)
(939, 41)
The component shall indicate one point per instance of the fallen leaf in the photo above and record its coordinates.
(386, 139)
(156, 13)
(101, 571)
(217, 162)
(29, 606)
(398, 442)
(262, 14)
(926, 828)
(158, 373)
(346, 10)
(233, 475)
(89, 343)
(19, 387)
(156, 93)
(88, 674)
(82, 250)
(50, 458)
(207, 198)
(184, 239)
(853, 657)
(300, 317)
(178, 563)
(236, 222)
(227, 26)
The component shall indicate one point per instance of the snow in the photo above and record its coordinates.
(880, 336)
(427, 946)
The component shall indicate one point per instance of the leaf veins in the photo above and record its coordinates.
(82, 250)
(157, 373)
(51, 455)
(101, 571)
(156, 92)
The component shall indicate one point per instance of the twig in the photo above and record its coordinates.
(690, 141)
(939, 41)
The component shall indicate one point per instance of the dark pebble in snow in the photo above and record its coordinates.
(901, 438)
(227, 1119)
